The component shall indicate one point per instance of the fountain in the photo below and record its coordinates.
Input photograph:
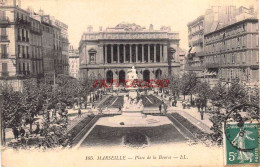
(131, 107)
(132, 114)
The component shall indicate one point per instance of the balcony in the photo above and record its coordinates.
(4, 56)
(4, 38)
(212, 65)
(194, 68)
(4, 22)
(4, 74)
(22, 22)
(254, 67)
(35, 30)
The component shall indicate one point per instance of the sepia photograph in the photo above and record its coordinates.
(129, 83)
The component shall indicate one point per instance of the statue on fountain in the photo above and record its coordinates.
(131, 76)
(131, 104)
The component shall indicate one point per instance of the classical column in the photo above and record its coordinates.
(124, 53)
(154, 53)
(149, 53)
(136, 52)
(130, 48)
(112, 53)
(105, 54)
(142, 53)
(118, 53)
(161, 46)
(165, 54)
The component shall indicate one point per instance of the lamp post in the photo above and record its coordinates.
(2, 120)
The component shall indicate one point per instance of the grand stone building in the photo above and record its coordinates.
(108, 54)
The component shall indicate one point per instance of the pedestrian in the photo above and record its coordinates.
(79, 112)
(165, 108)
(85, 105)
(160, 108)
(198, 104)
(120, 109)
(22, 132)
(93, 105)
(201, 114)
(175, 101)
(15, 132)
(37, 130)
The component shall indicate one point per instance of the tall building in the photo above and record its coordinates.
(16, 63)
(73, 62)
(111, 52)
(31, 44)
(36, 45)
(214, 19)
(62, 44)
(232, 52)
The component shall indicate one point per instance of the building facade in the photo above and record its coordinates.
(30, 44)
(73, 62)
(108, 54)
(36, 47)
(232, 52)
(15, 44)
(216, 18)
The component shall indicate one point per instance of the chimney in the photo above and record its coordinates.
(151, 27)
(41, 12)
(90, 29)
(251, 9)
(19, 4)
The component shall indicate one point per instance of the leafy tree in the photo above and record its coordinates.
(188, 83)
(175, 84)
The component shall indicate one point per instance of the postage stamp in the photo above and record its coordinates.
(241, 143)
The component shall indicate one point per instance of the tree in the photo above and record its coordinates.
(203, 91)
(188, 83)
(175, 84)
(233, 98)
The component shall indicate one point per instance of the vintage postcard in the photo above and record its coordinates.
(129, 83)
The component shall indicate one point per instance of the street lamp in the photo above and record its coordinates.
(1, 119)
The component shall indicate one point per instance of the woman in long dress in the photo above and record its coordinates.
(239, 141)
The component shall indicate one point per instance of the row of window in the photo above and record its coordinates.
(247, 41)
(23, 52)
(23, 35)
(4, 53)
(233, 58)
(236, 73)
(36, 52)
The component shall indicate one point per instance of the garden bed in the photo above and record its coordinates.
(192, 128)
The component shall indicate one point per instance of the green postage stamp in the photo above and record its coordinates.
(241, 143)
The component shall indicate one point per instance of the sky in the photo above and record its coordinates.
(79, 14)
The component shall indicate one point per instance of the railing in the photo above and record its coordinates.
(3, 38)
(4, 56)
(194, 68)
(4, 21)
(212, 65)
(23, 22)
(4, 73)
